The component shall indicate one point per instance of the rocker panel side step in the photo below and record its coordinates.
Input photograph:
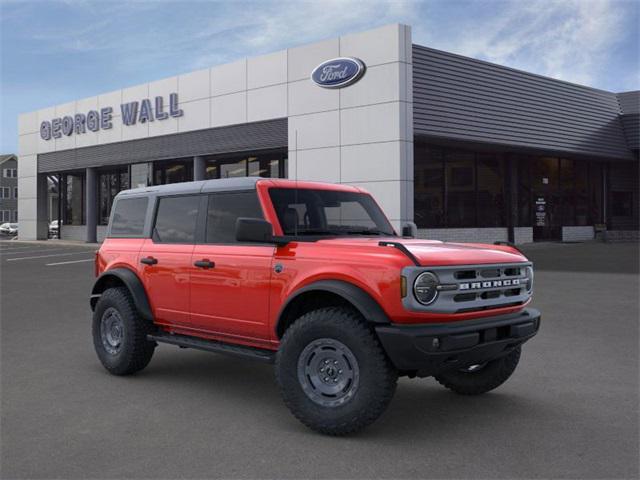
(266, 356)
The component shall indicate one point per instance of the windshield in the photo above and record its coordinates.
(328, 212)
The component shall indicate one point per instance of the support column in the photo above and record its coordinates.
(42, 211)
(512, 197)
(199, 168)
(91, 198)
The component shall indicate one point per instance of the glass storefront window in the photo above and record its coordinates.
(429, 187)
(172, 171)
(457, 188)
(460, 189)
(623, 199)
(267, 165)
(73, 191)
(581, 173)
(491, 198)
(109, 185)
(523, 186)
(233, 168)
(596, 192)
(567, 191)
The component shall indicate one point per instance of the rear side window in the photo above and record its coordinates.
(223, 211)
(128, 217)
(176, 219)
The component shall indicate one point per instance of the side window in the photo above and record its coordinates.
(223, 211)
(176, 219)
(128, 216)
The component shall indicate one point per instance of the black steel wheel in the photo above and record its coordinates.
(328, 372)
(120, 333)
(111, 330)
(332, 372)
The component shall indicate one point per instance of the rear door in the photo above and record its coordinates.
(165, 259)
(230, 281)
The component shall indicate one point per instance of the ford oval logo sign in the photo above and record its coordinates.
(338, 73)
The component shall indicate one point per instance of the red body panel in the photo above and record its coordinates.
(241, 298)
(230, 300)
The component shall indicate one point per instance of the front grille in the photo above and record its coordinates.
(471, 288)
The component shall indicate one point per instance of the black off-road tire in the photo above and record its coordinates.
(134, 351)
(376, 379)
(485, 379)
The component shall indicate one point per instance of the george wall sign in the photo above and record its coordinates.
(339, 72)
(94, 120)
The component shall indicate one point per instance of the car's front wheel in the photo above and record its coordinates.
(333, 373)
(120, 333)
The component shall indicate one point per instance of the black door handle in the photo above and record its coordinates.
(149, 260)
(204, 264)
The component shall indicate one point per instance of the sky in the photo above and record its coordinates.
(55, 51)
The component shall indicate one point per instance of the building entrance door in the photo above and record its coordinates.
(546, 200)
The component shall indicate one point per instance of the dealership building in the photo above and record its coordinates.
(468, 150)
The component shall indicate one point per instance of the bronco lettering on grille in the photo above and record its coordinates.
(489, 284)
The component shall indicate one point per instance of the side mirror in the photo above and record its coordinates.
(410, 230)
(255, 230)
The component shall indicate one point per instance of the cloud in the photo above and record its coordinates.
(59, 50)
(569, 40)
(267, 26)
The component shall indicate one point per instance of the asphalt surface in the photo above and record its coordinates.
(569, 411)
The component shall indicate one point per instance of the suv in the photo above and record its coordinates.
(311, 277)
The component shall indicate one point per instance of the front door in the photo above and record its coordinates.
(546, 201)
(165, 259)
(230, 282)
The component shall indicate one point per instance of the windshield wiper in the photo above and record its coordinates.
(317, 232)
(364, 231)
(372, 231)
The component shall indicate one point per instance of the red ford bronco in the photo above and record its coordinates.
(311, 277)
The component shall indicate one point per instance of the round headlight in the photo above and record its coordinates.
(425, 288)
(529, 282)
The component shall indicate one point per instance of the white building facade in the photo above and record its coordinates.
(266, 116)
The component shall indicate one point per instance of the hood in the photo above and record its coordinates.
(436, 253)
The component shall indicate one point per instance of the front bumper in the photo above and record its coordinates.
(431, 349)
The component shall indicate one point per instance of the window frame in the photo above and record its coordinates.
(205, 218)
(216, 161)
(198, 232)
(118, 172)
(63, 195)
(144, 233)
(446, 156)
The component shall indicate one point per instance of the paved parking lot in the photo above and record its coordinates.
(570, 410)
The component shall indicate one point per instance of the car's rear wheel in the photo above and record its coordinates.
(481, 378)
(120, 333)
(333, 373)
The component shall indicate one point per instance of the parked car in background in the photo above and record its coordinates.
(54, 229)
(9, 229)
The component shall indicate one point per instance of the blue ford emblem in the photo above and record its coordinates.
(338, 73)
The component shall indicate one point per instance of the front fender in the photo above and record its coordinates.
(361, 301)
(133, 284)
